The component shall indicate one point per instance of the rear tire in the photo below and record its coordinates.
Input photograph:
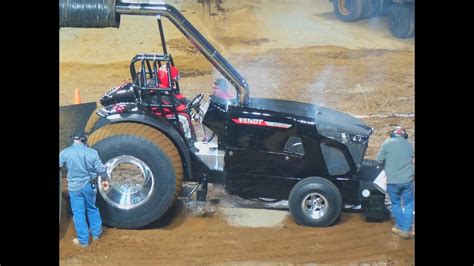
(402, 20)
(91, 122)
(348, 10)
(145, 171)
(315, 201)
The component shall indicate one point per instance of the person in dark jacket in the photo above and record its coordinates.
(83, 164)
(397, 154)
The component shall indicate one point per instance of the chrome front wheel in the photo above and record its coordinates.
(315, 205)
(315, 201)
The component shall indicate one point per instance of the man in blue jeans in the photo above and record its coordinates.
(397, 155)
(83, 165)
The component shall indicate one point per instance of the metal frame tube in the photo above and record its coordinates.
(162, 35)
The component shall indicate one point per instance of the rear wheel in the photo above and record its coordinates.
(402, 20)
(315, 201)
(145, 172)
(348, 10)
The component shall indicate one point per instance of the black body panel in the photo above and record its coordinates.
(283, 106)
(121, 94)
(255, 137)
(259, 149)
(256, 162)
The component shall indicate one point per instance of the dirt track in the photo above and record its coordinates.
(356, 68)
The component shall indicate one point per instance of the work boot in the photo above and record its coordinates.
(395, 230)
(405, 235)
(77, 243)
(401, 234)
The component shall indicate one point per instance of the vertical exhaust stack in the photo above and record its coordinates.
(106, 13)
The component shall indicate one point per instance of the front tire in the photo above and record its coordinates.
(145, 172)
(402, 20)
(315, 201)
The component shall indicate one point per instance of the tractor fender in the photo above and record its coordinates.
(159, 124)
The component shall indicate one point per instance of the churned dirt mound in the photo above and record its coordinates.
(353, 68)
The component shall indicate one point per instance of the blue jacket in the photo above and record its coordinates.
(397, 154)
(83, 164)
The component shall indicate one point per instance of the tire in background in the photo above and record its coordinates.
(315, 190)
(412, 9)
(60, 194)
(402, 20)
(384, 7)
(152, 148)
(348, 10)
(370, 8)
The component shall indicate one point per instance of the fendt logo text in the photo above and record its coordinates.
(259, 122)
(250, 121)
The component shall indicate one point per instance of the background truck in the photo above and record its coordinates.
(258, 148)
(401, 13)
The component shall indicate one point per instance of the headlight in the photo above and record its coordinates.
(346, 138)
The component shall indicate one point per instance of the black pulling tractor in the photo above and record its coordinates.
(311, 156)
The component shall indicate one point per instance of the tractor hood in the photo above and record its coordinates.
(329, 118)
(329, 122)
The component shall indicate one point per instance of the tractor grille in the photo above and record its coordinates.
(335, 160)
(357, 151)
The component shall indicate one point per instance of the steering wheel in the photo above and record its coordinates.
(195, 102)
